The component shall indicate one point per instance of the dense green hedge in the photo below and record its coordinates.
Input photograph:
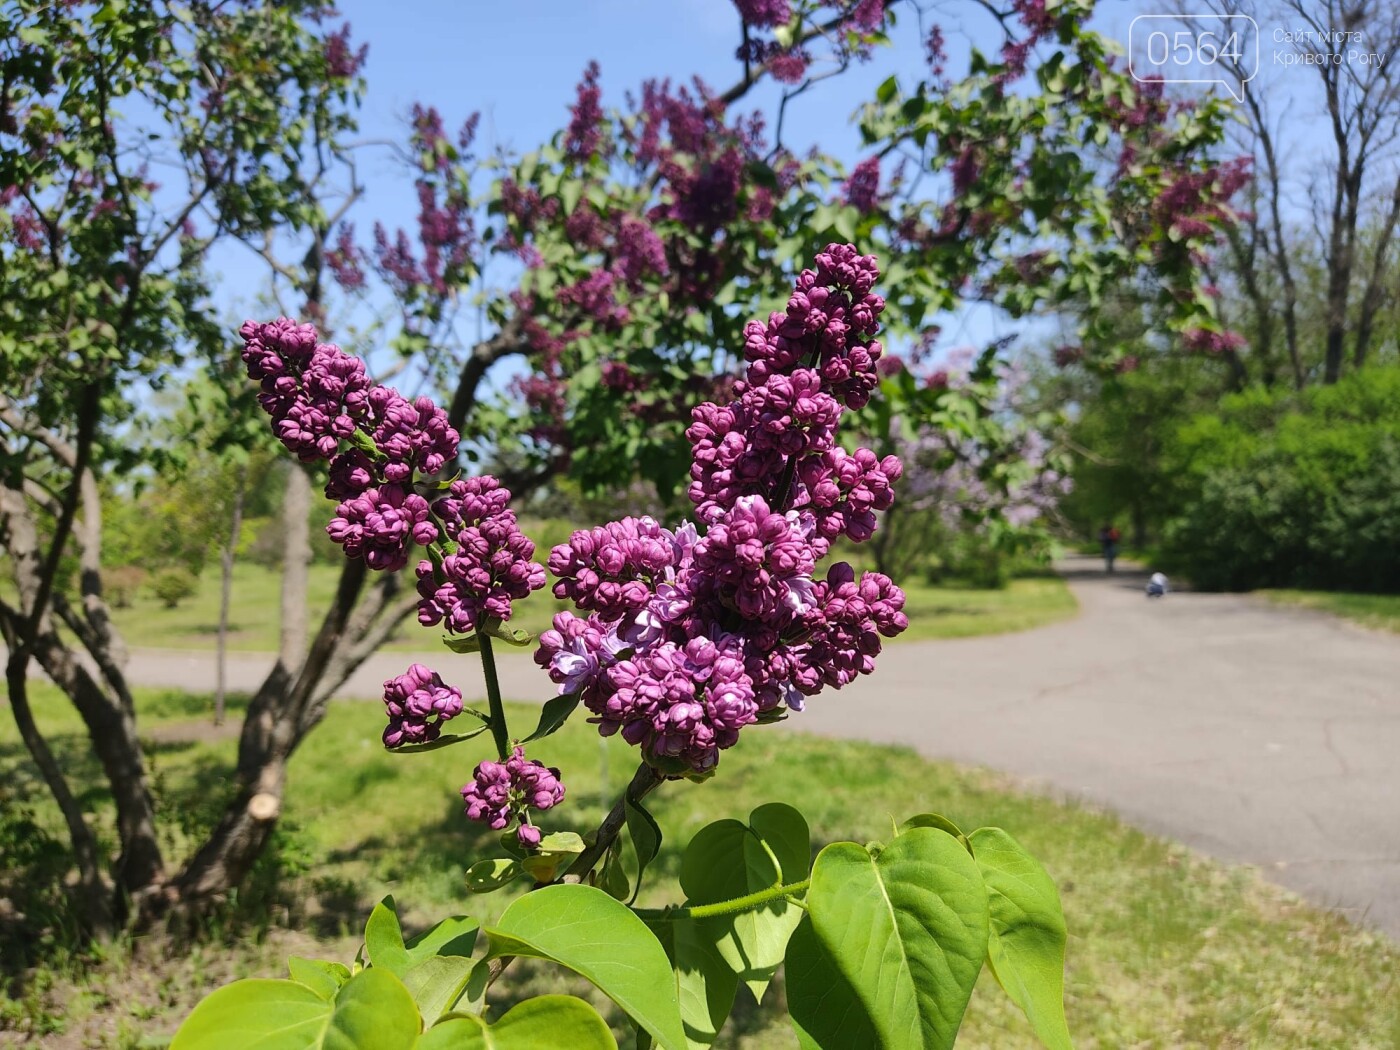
(1291, 490)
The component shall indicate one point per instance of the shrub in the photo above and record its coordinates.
(173, 585)
(122, 583)
(1292, 490)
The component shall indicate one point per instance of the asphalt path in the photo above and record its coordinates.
(1256, 734)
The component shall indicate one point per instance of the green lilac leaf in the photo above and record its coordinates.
(553, 715)
(546, 1022)
(892, 946)
(730, 859)
(384, 939)
(1027, 946)
(584, 929)
(373, 1011)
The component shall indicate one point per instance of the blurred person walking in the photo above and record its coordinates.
(1108, 540)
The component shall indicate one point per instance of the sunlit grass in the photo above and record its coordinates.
(1381, 611)
(954, 612)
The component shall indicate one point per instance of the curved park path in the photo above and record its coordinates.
(1258, 734)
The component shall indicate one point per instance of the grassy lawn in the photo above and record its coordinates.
(953, 612)
(934, 612)
(1166, 949)
(1381, 611)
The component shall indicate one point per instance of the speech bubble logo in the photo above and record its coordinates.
(1195, 49)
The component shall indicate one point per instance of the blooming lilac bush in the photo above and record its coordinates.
(684, 637)
(984, 486)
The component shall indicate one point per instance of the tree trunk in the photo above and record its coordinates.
(225, 596)
(95, 897)
(112, 729)
(106, 713)
(274, 726)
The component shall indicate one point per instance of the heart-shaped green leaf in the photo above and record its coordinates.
(1027, 947)
(581, 927)
(705, 982)
(894, 944)
(729, 859)
(547, 1022)
(373, 1011)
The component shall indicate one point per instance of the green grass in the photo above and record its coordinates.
(1381, 611)
(1166, 949)
(952, 612)
(934, 612)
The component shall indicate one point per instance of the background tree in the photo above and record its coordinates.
(104, 294)
(1307, 272)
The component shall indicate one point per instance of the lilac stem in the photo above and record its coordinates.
(499, 732)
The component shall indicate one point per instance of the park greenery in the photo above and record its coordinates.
(1160, 939)
(1223, 386)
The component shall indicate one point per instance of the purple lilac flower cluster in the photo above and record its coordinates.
(490, 567)
(320, 398)
(765, 14)
(418, 703)
(499, 791)
(805, 365)
(690, 637)
(863, 187)
(378, 443)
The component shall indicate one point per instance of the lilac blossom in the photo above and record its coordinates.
(315, 393)
(489, 565)
(379, 524)
(501, 791)
(863, 187)
(765, 14)
(696, 632)
(584, 134)
(418, 703)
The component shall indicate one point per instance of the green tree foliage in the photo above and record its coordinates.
(1290, 489)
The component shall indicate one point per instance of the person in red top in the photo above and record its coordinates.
(1108, 540)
